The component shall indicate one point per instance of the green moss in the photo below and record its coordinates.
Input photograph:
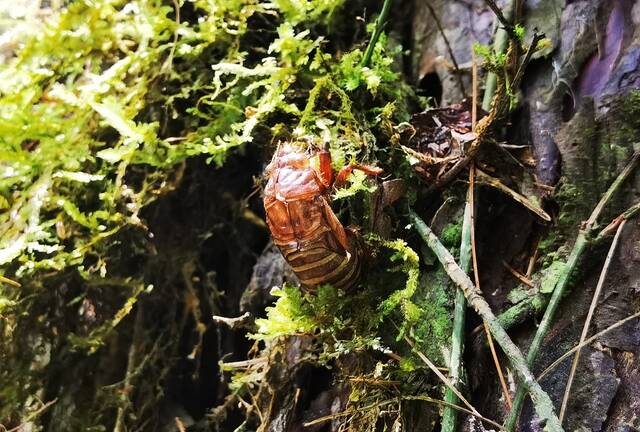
(518, 294)
(539, 303)
(435, 300)
(101, 109)
(628, 110)
(551, 275)
(596, 150)
(602, 146)
(528, 307)
(369, 319)
(452, 234)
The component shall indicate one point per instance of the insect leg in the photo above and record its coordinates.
(341, 178)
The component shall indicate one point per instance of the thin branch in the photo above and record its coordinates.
(454, 407)
(446, 42)
(449, 415)
(439, 374)
(533, 259)
(244, 321)
(380, 21)
(506, 23)
(582, 241)
(630, 213)
(8, 281)
(613, 189)
(423, 157)
(474, 257)
(522, 278)
(496, 362)
(587, 323)
(476, 273)
(541, 401)
(592, 339)
(537, 37)
(348, 412)
(32, 416)
(532, 206)
(392, 401)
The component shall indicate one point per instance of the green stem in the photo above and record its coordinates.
(541, 401)
(450, 414)
(366, 59)
(492, 79)
(514, 315)
(499, 46)
(587, 322)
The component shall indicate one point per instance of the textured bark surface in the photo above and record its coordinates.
(573, 118)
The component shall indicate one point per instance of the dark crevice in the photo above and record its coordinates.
(430, 86)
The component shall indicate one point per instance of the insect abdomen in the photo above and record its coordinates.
(319, 260)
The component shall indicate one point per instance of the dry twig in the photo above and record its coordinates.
(446, 42)
(476, 273)
(508, 27)
(587, 323)
(532, 206)
(439, 374)
(522, 278)
(32, 416)
(593, 338)
(392, 401)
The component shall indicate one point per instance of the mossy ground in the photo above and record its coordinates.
(110, 107)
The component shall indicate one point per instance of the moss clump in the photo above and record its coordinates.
(451, 235)
(551, 275)
(356, 325)
(105, 108)
(435, 300)
(626, 111)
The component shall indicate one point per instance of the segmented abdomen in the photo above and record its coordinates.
(314, 253)
(319, 260)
